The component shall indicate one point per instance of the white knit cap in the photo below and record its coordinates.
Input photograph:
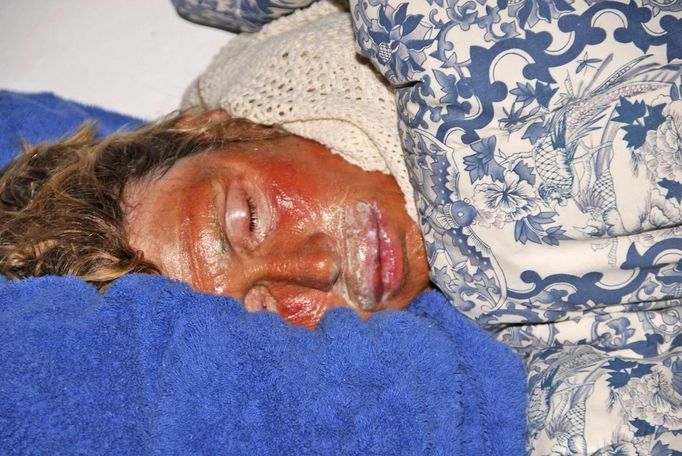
(302, 72)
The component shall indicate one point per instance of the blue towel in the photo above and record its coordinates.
(152, 367)
(38, 117)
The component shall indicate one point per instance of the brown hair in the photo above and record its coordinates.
(60, 203)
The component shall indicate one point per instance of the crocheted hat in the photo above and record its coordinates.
(302, 73)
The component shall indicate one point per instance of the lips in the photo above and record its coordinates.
(375, 261)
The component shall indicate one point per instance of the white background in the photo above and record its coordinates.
(131, 56)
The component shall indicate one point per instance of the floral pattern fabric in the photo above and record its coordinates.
(544, 142)
(236, 15)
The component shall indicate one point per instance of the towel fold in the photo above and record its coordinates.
(152, 367)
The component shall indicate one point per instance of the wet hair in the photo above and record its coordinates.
(61, 210)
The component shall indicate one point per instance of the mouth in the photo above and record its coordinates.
(375, 262)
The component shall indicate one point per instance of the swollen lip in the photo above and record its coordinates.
(375, 267)
(390, 258)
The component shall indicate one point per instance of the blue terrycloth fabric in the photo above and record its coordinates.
(37, 117)
(152, 367)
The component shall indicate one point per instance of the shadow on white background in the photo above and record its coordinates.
(135, 57)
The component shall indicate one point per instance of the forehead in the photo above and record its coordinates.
(288, 161)
(281, 152)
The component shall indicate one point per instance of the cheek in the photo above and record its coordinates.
(292, 205)
(303, 306)
(301, 197)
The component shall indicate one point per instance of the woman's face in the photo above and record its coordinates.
(282, 225)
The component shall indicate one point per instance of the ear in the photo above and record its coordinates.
(195, 118)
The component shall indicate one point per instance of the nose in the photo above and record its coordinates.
(312, 262)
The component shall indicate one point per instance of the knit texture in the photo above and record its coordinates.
(302, 73)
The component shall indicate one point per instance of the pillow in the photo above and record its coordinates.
(236, 15)
(543, 142)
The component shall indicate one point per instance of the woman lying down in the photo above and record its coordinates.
(543, 149)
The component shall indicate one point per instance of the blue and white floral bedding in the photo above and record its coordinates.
(544, 140)
(236, 15)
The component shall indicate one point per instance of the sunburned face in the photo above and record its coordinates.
(282, 225)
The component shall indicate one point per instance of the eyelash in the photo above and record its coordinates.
(253, 215)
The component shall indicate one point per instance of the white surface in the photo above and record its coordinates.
(135, 57)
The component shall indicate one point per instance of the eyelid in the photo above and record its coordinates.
(218, 220)
(243, 204)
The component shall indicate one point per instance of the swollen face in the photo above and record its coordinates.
(281, 225)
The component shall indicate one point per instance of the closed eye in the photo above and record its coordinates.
(253, 214)
(242, 217)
